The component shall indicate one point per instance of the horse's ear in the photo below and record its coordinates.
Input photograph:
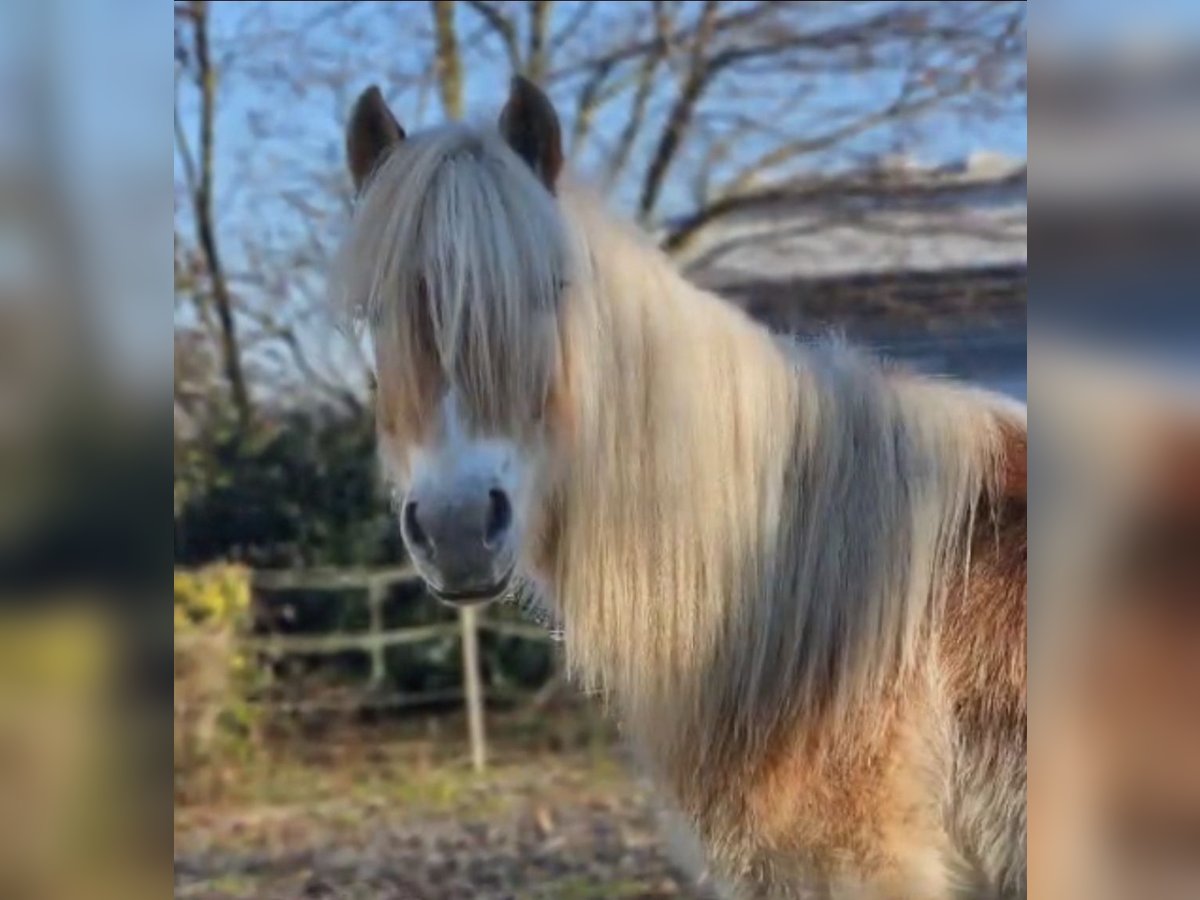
(372, 132)
(530, 125)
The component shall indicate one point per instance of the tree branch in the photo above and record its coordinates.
(662, 43)
(698, 77)
(583, 12)
(183, 147)
(842, 191)
(897, 109)
(448, 61)
(504, 29)
(286, 335)
(535, 59)
(585, 108)
(205, 228)
(641, 97)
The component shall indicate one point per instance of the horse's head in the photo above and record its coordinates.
(458, 258)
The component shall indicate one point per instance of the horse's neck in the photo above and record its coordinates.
(684, 427)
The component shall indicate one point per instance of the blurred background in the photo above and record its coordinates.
(860, 167)
(1114, 626)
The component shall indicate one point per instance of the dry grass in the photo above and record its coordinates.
(338, 815)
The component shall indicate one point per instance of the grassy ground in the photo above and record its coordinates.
(557, 815)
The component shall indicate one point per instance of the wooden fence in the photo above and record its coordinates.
(376, 639)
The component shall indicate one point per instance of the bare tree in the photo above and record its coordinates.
(194, 59)
(686, 112)
(448, 59)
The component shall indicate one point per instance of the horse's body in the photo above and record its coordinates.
(799, 577)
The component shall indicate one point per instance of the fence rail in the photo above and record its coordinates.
(376, 639)
(331, 579)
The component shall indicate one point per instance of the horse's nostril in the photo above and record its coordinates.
(499, 516)
(412, 528)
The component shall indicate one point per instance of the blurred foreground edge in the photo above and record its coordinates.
(1114, 758)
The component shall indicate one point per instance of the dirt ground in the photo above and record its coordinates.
(567, 827)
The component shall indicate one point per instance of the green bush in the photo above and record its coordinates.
(217, 723)
(303, 491)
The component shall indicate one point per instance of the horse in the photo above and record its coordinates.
(796, 574)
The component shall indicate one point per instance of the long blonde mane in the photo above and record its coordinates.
(747, 534)
(457, 253)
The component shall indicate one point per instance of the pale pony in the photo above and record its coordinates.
(796, 577)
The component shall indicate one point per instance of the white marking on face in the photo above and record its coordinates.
(454, 457)
(453, 481)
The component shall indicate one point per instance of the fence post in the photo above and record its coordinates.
(376, 592)
(473, 685)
